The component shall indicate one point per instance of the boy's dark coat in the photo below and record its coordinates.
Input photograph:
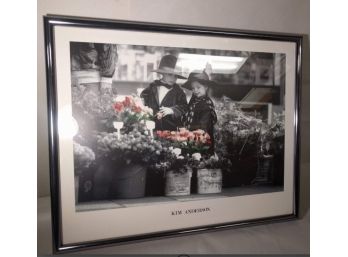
(175, 99)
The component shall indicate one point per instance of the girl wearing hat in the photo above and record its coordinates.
(201, 112)
(165, 97)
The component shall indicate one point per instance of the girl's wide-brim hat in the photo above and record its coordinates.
(201, 77)
(167, 66)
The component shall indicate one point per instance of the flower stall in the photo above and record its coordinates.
(131, 160)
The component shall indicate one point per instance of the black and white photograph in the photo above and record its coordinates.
(174, 129)
(163, 124)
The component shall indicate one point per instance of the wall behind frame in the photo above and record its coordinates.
(287, 16)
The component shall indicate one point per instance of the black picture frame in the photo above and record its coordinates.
(52, 22)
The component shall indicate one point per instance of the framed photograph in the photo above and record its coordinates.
(161, 130)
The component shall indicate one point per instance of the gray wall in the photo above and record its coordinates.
(290, 16)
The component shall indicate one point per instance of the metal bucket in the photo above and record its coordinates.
(178, 183)
(113, 181)
(128, 182)
(209, 181)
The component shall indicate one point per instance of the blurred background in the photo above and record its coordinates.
(254, 80)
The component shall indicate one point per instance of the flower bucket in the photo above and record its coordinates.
(265, 171)
(155, 182)
(115, 181)
(128, 182)
(209, 181)
(178, 183)
(102, 181)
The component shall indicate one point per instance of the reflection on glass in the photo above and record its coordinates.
(220, 64)
(68, 126)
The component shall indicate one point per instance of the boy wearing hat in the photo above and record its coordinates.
(165, 97)
(201, 111)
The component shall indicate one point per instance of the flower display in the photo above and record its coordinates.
(210, 161)
(92, 106)
(231, 118)
(241, 137)
(133, 147)
(189, 141)
(236, 132)
(131, 111)
(83, 157)
(174, 160)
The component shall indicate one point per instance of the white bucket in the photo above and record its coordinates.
(209, 181)
(178, 184)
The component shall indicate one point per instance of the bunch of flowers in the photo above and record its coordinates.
(92, 105)
(189, 141)
(83, 157)
(174, 160)
(236, 132)
(131, 110)
(209, 161)
(133, 147)
(232, 119)
(242, 136)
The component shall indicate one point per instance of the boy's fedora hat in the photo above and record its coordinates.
(167, 66)
(201, 77)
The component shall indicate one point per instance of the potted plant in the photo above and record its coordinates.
(185, 143)
(271, 151)
(83, 158)
(123, 164)
(237, 138)
(177, 172)
(93, 109)
(209, 173)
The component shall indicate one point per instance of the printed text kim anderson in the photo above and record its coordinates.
(190, 211)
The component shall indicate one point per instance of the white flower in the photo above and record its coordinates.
(148, 110)
(197, 156)
(176, 151)
(180, 157)
(138, 102)
(215, 157)
(120, 98)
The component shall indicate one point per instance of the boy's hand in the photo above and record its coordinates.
(164, 111)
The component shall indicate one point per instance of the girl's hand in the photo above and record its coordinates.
(164, 111)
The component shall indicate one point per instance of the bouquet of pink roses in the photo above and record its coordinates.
(189, 141)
